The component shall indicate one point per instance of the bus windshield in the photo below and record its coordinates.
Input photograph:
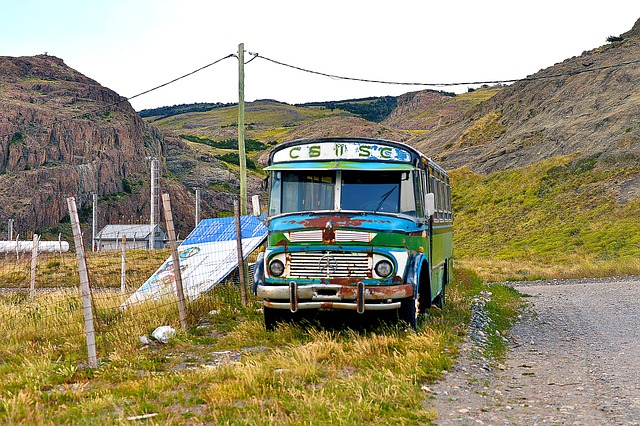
(315, 190)
(370, 191)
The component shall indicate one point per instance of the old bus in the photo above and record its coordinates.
(354, 223)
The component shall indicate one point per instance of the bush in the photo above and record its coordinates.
(233, 158)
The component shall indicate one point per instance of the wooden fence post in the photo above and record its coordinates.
(123, 270)
(241, 276)
(168, 217)
(34, 260)
(84, 283)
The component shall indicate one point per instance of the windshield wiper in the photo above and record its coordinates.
(384, 198)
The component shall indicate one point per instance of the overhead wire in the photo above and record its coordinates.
(446, 84)
(337, 77)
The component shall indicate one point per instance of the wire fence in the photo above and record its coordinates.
(41, 301)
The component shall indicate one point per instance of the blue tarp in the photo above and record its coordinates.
(207, 256)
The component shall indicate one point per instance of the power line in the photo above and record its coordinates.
(181, 77)
(467, 83)
(334, 76)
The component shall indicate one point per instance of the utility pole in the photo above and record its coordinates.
(197, 206)
(154, 201)
(241, 151)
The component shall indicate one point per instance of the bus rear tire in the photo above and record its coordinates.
(445, 278)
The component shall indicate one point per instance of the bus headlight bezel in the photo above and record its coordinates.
(383, 268)
(276, 268)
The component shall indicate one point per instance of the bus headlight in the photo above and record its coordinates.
(384, 268)
(276, 268)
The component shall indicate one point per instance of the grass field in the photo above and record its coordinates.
(226, 369)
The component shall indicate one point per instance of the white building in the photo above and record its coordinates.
(138, 236)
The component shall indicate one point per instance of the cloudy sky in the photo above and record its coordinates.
(131, 46)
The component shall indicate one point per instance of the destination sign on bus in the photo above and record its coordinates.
(340, 151)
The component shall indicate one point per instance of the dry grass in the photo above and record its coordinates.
(226, 369)
(492, 270)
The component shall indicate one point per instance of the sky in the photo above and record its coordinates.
(131, 46)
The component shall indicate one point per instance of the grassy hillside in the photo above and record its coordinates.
(427, 110)
(561, 217)
(266, 121)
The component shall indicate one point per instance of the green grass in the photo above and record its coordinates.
(55, 271)
(558, 218)
(226, 369)
(503, 308)
(484, 130)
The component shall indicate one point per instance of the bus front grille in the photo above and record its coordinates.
(329, 265)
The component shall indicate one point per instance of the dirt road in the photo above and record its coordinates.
(574, 360)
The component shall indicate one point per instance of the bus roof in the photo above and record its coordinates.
(347, 153)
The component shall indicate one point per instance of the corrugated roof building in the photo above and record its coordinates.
(138, 237)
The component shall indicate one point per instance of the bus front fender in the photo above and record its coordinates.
(416, 262)
(258, 273)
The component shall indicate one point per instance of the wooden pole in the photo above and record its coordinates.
(255, 201)
(84, 283)
(197, 206)
(241, 150)
(241, 276)
(34, 260)
(168, 217)
(123, 269)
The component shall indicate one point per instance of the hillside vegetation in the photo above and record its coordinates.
(556, 218)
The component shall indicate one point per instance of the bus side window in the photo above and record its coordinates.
(420, 191)
(448, 195)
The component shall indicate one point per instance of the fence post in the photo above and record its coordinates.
(34, 259)
(123, 270)
(241, 277)
(168, 217)
(60, 246)
(255, 201)
(84, 283)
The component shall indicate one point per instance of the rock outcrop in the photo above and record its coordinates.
(63, 134)
(587, 105)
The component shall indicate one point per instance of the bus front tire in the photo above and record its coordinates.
(272, 317)
(409, 312)
(412, 310)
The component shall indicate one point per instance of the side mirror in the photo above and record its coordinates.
(430, 204)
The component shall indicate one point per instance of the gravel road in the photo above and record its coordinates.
(574, 360)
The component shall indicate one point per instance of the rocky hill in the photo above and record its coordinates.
(560, 110)
(62, 134)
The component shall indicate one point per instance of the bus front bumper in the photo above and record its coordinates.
(334, 296)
